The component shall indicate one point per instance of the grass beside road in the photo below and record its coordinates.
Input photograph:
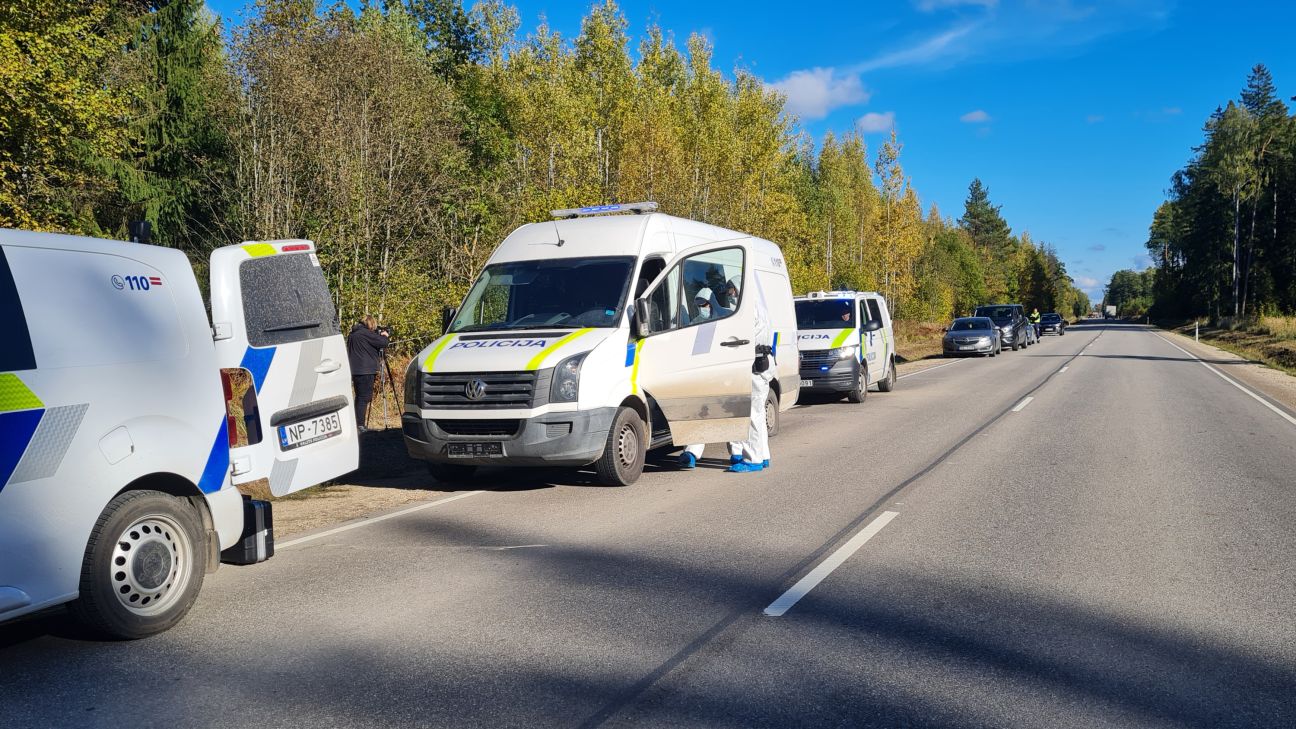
(917, 340)
(1270, 340)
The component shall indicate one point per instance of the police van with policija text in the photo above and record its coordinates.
(127, 418)
(583, 342)
(846, 342)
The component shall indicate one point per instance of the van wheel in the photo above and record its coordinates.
(860, 391)
(143, 567)
(772, 413)
(451, 472)
(888, 383)
(623, 454)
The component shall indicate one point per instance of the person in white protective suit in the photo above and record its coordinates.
(755, 454)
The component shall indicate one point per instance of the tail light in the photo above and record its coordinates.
(242, 414)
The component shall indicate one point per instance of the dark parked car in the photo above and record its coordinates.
(1011, 322)
(972, 335)
(1052, 323)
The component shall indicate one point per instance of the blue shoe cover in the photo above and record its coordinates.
(745, 467)
(765, 464)
(687, 460)
(735, 459)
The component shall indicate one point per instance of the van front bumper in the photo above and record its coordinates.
(574, 438)
(840, 376)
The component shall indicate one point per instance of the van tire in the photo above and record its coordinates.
(888, 383)
(146, 547)
(623, 453)
(451, 472)
(772, 413)
(860, 391)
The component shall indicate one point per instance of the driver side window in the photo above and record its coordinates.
(700, 288)
(663, 304)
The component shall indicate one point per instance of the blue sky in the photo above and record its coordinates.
(1073, 112)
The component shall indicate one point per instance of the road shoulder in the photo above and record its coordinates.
(1274, 384)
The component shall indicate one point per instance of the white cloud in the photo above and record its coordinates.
(936, 48)
(813, 93)
(1093, 118)
(1098, 247)
(875, 122)
(1088, 282)
(928, 6)
(1172, 111)
(975, 117)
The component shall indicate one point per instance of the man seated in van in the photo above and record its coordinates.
(702, 304)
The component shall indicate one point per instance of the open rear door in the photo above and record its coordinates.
(697, 365)
(284, 365)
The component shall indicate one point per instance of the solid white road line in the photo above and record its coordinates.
(825, 568)
(375, 520)
(1022, 404)
(929, 369)
(1230, 380)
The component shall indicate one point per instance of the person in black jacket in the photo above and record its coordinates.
(364, 348)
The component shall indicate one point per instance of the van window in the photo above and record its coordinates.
(825, 313)
(93, 309)
(563, 293)
(717, 276)
(17, 352)
(875, 313)
(663, 304)
(285, 300)
(700, 288)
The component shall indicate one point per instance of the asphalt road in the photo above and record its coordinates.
(1116, 551)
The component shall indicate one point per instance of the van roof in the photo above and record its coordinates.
(843, 294)
(86, 244)
(608, 235)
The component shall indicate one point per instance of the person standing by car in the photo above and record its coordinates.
(1035, 321)
(365, 347)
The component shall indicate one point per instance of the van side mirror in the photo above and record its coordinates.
(447, 317)
(641, 323)
(872, 326)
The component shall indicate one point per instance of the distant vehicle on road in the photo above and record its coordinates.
(1011, 321)
(972, 335)
(846, 343)
(1109, 312)
(1052, 323)
(1032, 333)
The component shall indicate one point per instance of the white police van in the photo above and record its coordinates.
(128, 418)
(846, 342)
(582, 342)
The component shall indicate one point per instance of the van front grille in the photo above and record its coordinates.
(497, 390)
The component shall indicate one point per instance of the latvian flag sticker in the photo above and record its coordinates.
(154, 281)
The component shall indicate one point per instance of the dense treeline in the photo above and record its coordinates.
(407, 138)
(1224, 244)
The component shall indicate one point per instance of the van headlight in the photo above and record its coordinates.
(412, 382)
(847, 352)
(566, 379)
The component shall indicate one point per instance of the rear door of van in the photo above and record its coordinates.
(284, 365)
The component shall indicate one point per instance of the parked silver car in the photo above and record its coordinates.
(972, 335)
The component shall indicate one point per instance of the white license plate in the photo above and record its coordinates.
(807, 383)
(296, 435)
(967, 346)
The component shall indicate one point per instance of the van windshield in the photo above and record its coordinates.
(557, 293)
(825, 314)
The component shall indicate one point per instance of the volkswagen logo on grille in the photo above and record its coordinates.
(475, 389)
